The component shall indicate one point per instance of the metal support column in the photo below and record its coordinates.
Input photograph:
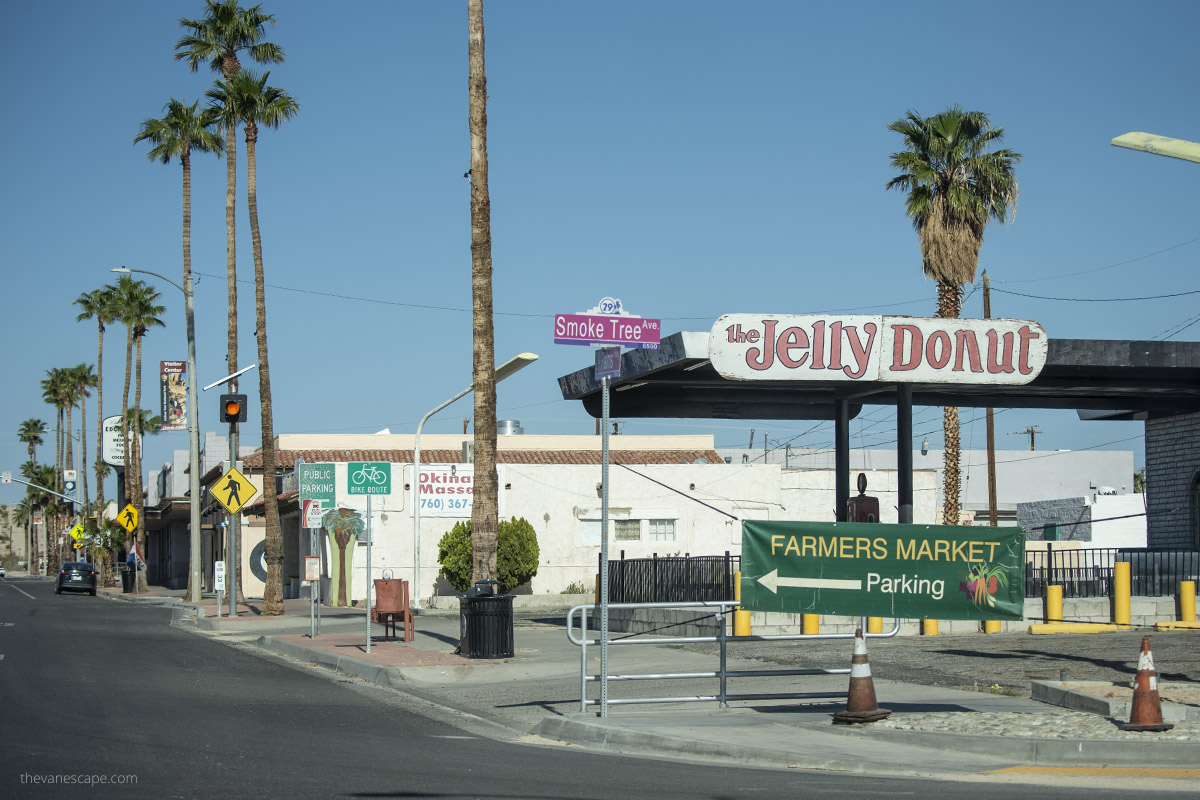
(904, 456)
(841, 438)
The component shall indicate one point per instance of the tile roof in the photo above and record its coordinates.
(285, 459)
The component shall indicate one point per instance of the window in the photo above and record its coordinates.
(628, 530)
(662, 530)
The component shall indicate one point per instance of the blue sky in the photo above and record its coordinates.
(692, 158)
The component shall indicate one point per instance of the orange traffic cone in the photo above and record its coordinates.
(861, 705)
(1145, 714)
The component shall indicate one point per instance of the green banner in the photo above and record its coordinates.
(875, 570)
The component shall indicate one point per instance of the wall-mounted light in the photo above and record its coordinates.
(453, 469)
(925, 447)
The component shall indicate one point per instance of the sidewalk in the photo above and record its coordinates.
(933, 731)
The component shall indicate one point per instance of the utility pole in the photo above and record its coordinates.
(1031, 431)
(991, 419)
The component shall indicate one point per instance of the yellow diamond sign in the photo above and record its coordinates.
(77, 532)
(233, 491)
(128, 518)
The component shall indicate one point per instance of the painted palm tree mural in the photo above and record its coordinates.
(344, 525)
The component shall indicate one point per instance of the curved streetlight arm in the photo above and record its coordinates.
(506, 369)
(127, 270)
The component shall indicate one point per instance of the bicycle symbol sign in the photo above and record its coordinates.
(369, 477)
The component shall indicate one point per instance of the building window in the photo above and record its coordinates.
(628, 530)
(662, 530)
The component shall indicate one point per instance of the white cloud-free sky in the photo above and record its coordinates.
(691, 158)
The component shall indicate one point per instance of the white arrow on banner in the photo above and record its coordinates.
(772, 581)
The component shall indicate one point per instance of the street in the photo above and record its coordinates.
(111, 695)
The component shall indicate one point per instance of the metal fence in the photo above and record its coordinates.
(1089, 572)
(672, 579)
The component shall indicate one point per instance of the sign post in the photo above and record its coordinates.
(608, 327)
(219, 582)
(369, 478)
(317, 484)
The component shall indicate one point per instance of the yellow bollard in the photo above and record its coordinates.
(811, 624)
(741, 618)
(929, 627)
(1054, 612)
(1187, 601)
(1121, 590)
(991, 626)
(874, 624)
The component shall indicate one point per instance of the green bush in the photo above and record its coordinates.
(517, 554)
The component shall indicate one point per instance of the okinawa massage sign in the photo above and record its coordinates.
(814, 347)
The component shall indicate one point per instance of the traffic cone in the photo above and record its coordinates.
(1145, 714)
(861, 705)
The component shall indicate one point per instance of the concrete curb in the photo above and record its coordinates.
(1061, 694)
(1062, 752)
(388, 677)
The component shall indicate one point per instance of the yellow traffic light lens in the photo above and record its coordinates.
(233, 409)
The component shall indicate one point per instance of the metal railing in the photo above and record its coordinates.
(718, 609)
(671, 579)
(1089, 572)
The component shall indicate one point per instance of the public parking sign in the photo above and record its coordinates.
(905, 571)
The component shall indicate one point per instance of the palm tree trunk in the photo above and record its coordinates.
(100, 424)
(139, 500)
(949, 307)
(83, 486)
(125, 411)
(484, 511)
(273, 591)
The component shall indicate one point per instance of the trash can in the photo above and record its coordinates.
(126, 580)
(486, 622)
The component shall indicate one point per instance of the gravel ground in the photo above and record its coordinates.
(1011, 661)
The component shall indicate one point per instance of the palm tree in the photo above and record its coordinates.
(226, 30)
(955, 186)
(248, 98)
(83, 379)
(139, 310)
(30, 434)
(99, 304)
(484, 513)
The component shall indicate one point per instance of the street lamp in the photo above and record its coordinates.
(506, 369)
(194, 595)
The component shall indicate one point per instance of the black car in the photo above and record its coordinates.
(76, 576)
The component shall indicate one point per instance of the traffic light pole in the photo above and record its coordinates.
(235, 525)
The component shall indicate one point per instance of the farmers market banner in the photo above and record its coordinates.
(875, 570)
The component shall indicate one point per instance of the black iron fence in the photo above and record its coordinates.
(1089, 572)
(672, 579)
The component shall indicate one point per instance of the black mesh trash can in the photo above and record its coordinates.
(126, 580)
(486, 624)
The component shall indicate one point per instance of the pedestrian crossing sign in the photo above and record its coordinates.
(128, 517)
(233, 491)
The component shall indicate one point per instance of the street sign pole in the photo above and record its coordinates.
(234, 525)
(604, 549)
(368, 573)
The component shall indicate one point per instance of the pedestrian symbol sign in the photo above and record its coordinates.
(233, 491)
(77, 532)
(128, 518)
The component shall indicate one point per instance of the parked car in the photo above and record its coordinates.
(76, 576)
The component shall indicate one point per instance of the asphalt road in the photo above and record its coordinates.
(94, 690)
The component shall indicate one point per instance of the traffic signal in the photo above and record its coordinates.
(233, 408)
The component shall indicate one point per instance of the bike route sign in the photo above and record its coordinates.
(862, 569)
(369, 477)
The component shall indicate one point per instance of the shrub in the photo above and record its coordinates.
(517, 554)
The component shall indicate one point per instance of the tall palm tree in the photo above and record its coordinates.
(139, 311)
(956, 184)
(255, 103)
(83, 379)
(484, 512)
(30, 434)
(100, 305)
(226, 30)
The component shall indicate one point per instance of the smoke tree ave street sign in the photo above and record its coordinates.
(794, 347)
(904, 571)
(607, 323)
